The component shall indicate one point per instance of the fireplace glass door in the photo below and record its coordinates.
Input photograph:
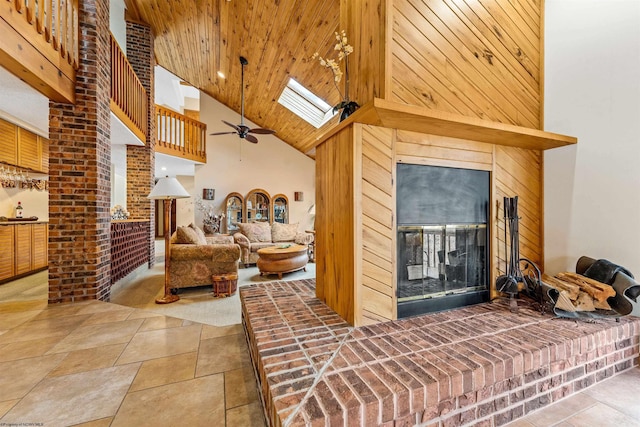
(440, 260)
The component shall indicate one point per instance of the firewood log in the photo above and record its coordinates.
(598, 291)
(584, 302)
(564, 303)
(571, 289)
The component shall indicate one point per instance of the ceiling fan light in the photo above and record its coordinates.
(220, 74)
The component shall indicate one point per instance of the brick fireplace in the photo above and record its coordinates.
(481, 365)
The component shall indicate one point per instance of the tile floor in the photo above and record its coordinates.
(101, 364)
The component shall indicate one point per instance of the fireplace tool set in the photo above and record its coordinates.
(508, 282)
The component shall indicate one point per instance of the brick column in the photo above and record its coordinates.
(141, 160)
(79, 171)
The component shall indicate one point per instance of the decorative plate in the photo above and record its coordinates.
(258, 215)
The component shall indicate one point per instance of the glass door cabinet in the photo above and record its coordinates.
(281, 209)
(234, 208)
(257, 206)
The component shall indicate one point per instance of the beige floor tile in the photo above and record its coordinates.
(95, 306)
(601, 415)
(161, 343)
(165, 370)
(25, 349)
(142, 314)
(209, 331)
(16, 306)
(98, 335)
(197, 402)
(240, 387)
(621, 392)
(559, 411)
(60, 310)
(14, 319)
(103, 422)
(247, 415)
(222, 354)
(7, 405)
(520, 423)
(108, 316)
(17, 377)
(74, 399)
(161, 322)
(43, 329)
(88, 359)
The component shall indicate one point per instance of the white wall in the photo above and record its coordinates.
(117, 24)
(184, 207)
(34, 202)
(235, 165)
(592, 91)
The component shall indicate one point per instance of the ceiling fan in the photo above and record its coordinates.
(242, 130)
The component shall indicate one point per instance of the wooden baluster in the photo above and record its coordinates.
(19, 4)
(31, 15)
(40, 16)
(76, 36)
(48, 19)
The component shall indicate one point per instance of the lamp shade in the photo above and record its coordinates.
(168, 188)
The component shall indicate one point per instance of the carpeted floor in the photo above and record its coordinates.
(195, 304)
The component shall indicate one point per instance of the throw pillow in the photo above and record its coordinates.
(283, 232)
(256, 231)
(202, 240)
(186, 235)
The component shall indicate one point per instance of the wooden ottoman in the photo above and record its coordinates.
(282, 259)
(224, 285)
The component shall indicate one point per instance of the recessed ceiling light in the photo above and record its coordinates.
(163, 168)
(221, 74)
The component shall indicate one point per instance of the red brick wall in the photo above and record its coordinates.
(79, 171)
(141, 160)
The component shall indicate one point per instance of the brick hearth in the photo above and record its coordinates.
(480, 365)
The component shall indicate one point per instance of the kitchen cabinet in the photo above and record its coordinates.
(29, 245)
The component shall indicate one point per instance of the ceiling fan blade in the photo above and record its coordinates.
(251, 138)
(262, 131)
(232, 125)
(224, 133)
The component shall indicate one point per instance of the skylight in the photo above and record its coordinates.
(305, 104)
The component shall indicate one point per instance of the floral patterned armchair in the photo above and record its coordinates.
(195, 258)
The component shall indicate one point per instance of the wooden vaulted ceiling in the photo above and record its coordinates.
(196, 38)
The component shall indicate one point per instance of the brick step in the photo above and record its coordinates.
(479, 365)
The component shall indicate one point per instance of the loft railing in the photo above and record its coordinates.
(181, 136)
(39, 43)
(128, 98)
(56, 22)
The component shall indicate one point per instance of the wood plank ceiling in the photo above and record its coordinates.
(196, 38)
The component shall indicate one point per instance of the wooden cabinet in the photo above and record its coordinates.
(22, 148)
(7, 266)
(22, 248)
(28, 244)
(39, 244)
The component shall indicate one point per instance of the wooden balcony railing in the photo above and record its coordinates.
(128, 98)
(181, 136)
(41, 39)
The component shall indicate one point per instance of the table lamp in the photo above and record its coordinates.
(167, 189)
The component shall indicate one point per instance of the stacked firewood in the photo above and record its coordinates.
(580, 293)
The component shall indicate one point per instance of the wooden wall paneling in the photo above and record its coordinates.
(22, 248)
(8, 142)
(378, 229)
(335, 223)
(366, 24)
(460, 57)
(7, 266)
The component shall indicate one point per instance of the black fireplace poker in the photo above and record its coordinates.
(508, 283)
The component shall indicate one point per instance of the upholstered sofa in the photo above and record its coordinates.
(195, 259)
(258, 235)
